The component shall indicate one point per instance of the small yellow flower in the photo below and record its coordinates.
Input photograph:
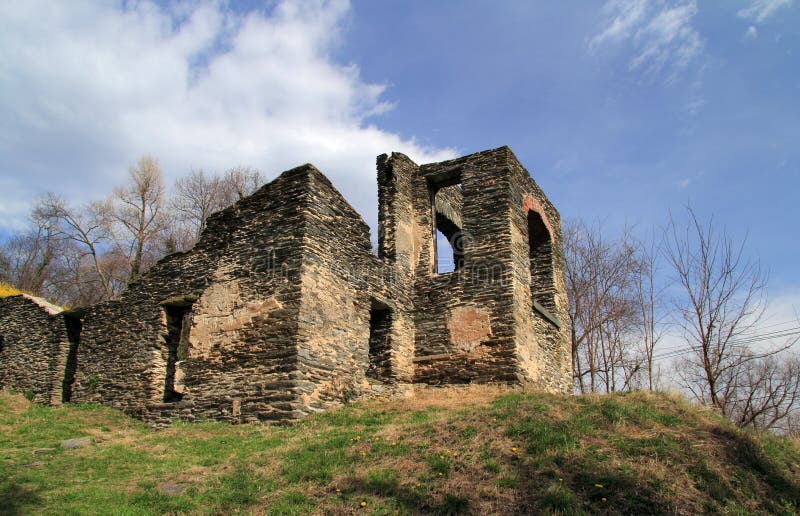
(514, 450)
(494, 419)
(338, 490)
(602, 499)
(394, 443)
(599, 486)
(441, 456)
(440, 473)
(560, 479)
(363, 504)
(417, 484)
(455, 454)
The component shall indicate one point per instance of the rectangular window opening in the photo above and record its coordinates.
(177, 340)
(74, 327)
(380, 342)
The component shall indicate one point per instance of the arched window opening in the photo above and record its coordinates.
(541, 264)
(449, 238)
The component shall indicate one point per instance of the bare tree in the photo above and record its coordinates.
(136, 217)
(602, 309)
(27, 259)
(721, 303)
(767, 392)
(198, 195)
(237, 183)
(89, 254)
(84, 227)
(649, 303)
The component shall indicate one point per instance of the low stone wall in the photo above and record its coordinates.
(31, 336)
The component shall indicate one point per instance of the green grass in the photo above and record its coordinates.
(457, 453)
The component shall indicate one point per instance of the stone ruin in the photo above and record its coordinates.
(281, 309)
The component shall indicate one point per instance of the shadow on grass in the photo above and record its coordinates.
(412, 501)
(16, 498)
(744, 451)
(592, 488)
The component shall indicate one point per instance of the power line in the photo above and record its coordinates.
(676, 352)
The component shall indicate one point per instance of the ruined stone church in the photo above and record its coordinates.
(281, 309)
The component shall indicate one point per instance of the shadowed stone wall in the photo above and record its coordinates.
(32, 334)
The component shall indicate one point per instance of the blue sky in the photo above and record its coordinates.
(622, 111)
(711, 118)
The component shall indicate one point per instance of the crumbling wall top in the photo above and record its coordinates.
(42, 303)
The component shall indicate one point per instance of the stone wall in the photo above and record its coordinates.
(333, 326)
(32, 335)
(400, 244)
(282, 310)
(241, 284)
(540, 299)
(465, 333)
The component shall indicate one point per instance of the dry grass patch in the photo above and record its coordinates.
(452, 397)
(7, 290)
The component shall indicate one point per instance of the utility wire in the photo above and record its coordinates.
(676, 352)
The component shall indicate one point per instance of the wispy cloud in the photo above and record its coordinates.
(626, 16)
(760, 10)
(694, 106)
(660, 36)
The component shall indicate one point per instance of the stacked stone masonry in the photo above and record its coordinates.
(281, 309)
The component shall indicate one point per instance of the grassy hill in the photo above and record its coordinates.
(477, 450)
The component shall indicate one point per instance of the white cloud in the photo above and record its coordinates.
(784, 307)
(566, 165)
(752, 32)
(625, 16)
(760, 10)
(87, 87)
(659, 35)
(695, 105)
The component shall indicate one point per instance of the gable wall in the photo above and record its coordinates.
(31, 343)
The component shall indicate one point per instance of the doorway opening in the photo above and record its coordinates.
(177, 341)
(380, 341)
(74, 327)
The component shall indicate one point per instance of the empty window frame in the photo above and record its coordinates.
(541, 264)
(449, 240)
